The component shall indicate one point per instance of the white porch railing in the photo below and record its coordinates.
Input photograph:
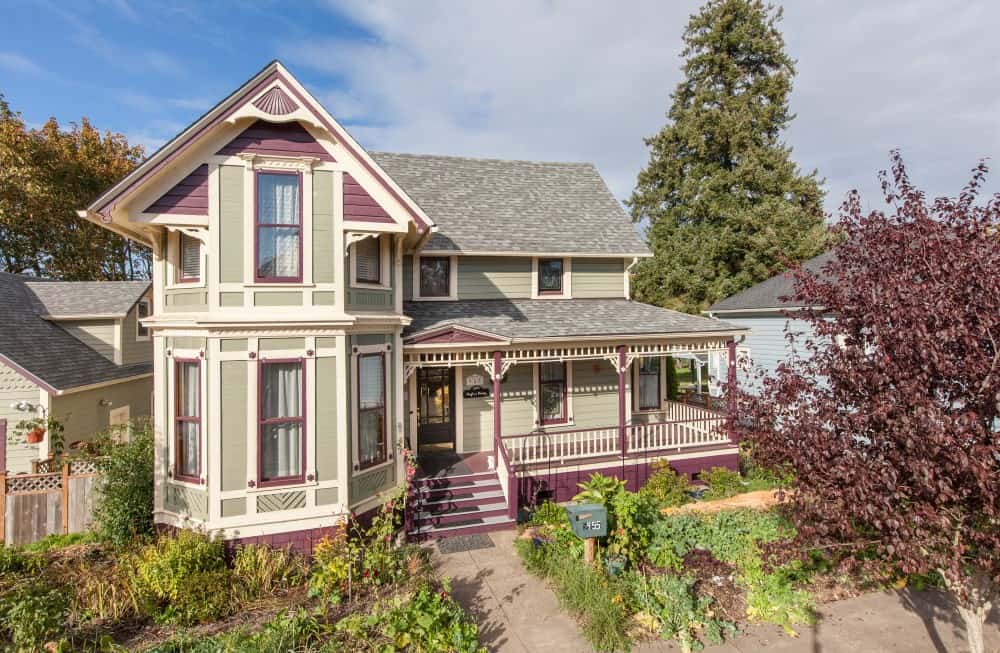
(563, 445)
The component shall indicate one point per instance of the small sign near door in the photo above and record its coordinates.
(475, 387)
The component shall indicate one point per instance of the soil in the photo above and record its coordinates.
(716, 579)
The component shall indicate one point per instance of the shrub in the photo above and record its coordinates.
(103, 590)
(722, 483)
(548, 514)
(59, 541)
(263, 570)
(15, 561)
(630, 515)
(124, 508)
(668, 605)
(666, 487)
(33, 614)
(333, 561)
(184, 578)
(599, 489)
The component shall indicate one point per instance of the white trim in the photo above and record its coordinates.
(212, 436)
(628, 277)
(384, 260)
(119, 341)
(253, 424)
(102, 384)
(214, 245)
(203, 421)
(414, 424)
(359, 350)
(536, 390)
(344, 463)
(562, 469)
(452, 280)
(158, 410)
(458, 418)
(149, 313)
(567, 278)
(174, 262)
(663, 384)
(541, 254)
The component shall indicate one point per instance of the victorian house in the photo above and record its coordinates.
(319, 308)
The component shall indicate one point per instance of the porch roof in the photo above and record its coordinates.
(529, 319)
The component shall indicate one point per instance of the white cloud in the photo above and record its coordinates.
(588, 81)
(15, 63)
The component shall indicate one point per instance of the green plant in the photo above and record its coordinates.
(184, 578)
(15, 561)
(298, 631)
(33, 614)
(103, 589)
(666, 487)
(547, 514)
(599, 489)
(263, 571)
(124, 508)
(673, 383)
(722, 483)
(630, 517)
(332, 567)
(59, 541)
(772, 597)
(48, 424)
(668, 605)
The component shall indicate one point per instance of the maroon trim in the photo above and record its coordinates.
(564, 382)
(185, 419)
(189, 196)
(497, 430)
(276, 139)
(360, 206)
(239, 102)
(420, 276)
(180, 260)
(262, 422)
(378, 262)
(449, 335)
(257, 224)
(622, 361)
(638, 392)
(383, 444)
(562, 272)
(731, 393)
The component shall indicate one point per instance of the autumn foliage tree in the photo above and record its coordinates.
(46, 174)
(888, 416)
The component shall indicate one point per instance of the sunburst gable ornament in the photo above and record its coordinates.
(275, 102)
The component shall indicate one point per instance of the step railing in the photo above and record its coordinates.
(508, 480)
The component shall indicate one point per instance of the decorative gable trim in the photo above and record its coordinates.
(275, 102)
(276, 139)
(359, 206)
(188, 197)
(455, 335)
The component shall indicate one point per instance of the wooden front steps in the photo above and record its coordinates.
(462, 504)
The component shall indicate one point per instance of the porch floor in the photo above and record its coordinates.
(439, 465)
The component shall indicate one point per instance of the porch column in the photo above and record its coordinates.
(621, 400)
(731, 391)
(497, 374)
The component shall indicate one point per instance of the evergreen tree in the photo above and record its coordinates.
(724, 203)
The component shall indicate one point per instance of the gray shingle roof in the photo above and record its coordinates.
(77, 298)
(490, 205)
(767, 294)
(550, 318)
(43, 348)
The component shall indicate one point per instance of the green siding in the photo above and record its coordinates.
(327, 495)
(598, 277)
(367, 299)
(233, 344)
(233, 387)
(324, 298)
(278, 344)
(230, 299)
(186, 501)
(84, 417)
(595, 395)
(477, 424)
(99, 335)
(326, 418)
(326, 343)
(185, 342)
(234, 507)
(517, 410)
(133, 350)
(322, 198)
(282, 298)
(368, 484)
(185, 300)
(231, 223)
(481, 277)
(407, 278)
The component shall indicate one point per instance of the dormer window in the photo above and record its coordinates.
(434, 277)
(368, 261)
(550, 276)
(278, 227)
(189, 259)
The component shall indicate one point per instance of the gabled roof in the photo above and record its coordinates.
(525, 207)
(76, 299)
(768, 294)
(42, 350)
(531, 319)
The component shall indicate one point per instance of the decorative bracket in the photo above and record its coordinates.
(408, 370)
(504, 366)
(198, 233)
(352, 237)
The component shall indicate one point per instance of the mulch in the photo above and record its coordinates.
(716, 579)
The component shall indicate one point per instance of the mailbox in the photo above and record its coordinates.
(588, 519)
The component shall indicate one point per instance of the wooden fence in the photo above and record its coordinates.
(52, 501)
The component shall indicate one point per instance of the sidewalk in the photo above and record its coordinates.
(518, 613)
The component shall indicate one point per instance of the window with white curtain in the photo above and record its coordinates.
(372, 445)
(189, 270)
(187, 420)
(649, 384)
(368, 260)
(279, 227)
(282, 422)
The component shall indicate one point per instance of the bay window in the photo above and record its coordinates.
(281, 427)
(649, 392)
(278, 227)
(187, 420)
(552, 393)
(372, 437)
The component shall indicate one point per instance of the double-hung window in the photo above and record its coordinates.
(372, 445)
(282, 428)
(368, 260)
(435, 276)
(649, 384)
(187, 420)
(552, 392)
(278, 227)
(142, 310)
(189, 259)
(550, 276)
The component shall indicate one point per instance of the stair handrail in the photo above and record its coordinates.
(508, 479)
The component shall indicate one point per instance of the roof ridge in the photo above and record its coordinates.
(489, 159)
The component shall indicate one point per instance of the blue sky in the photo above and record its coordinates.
(551, 80)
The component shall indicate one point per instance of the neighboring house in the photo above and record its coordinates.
(74, 350)
(768, 310)
(317, 307)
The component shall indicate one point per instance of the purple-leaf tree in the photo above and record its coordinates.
(888, 412)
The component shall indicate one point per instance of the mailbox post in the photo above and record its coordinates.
(588, 521)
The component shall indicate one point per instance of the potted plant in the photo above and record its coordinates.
(34, 431)
(35, 435)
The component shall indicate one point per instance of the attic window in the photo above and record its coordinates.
(550, 276)
(435, 276)
(368, 260)
(189, 270)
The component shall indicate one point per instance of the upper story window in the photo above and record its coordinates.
(372, 442)
(550, 276)
(552, 390)
(368, 260)
(435, 276)
(648, 395)
(142, 309)
(279, 227)
(187, 420)
(281, 453)
(189, 259)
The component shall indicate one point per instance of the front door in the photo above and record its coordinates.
(435, 409)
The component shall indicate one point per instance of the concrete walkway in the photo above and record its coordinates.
(517, 612)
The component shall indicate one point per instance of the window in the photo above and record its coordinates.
(550, 276)
(282, 433)
(372, 446)
(279, 227)
(649, 384)
(141, 311)
(552, 393)
(189, 269)
(435, 276)
(187, 420)
(368, 260)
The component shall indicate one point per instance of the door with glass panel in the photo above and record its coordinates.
(435, 409)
